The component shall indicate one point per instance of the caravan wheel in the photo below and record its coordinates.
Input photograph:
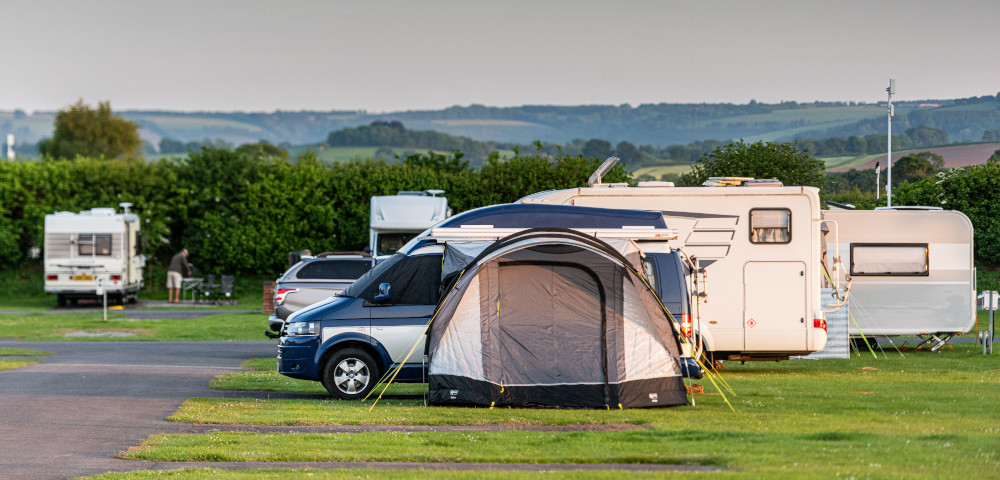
(350, 374)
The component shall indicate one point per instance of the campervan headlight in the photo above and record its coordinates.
(302, 329)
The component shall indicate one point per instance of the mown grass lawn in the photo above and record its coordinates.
(10, 364)
(925, 415)
(310, 474)
(263, 376)
(91, 326)
(22, 352)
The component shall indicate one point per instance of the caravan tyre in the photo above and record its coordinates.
(350, 374)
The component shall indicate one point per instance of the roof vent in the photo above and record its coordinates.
(595, 179)
(764, 182)
(656, 184)
(726, 181)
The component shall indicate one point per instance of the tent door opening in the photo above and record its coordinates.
(549, 316)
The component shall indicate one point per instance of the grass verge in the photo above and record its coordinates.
(308, 474)
(9, 364)
(264, 377)
(22, 352)
(503, 447)
(922, 415)
(91, 326)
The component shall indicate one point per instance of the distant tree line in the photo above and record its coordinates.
(168, 146)
(916, 137)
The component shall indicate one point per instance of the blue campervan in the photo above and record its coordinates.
(349, 341)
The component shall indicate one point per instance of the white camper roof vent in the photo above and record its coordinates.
(99, 212)
(908, 207)
(595, 178)
(764, 182)
(656, 184)
(726, 181)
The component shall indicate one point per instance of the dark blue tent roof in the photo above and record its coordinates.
(528, 215)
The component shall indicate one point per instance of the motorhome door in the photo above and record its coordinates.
(774, 315)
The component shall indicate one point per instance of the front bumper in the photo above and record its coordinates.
(297, 357)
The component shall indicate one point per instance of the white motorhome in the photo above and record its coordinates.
(912, 271)
(91, 253)
(395, 219)
(759, 249)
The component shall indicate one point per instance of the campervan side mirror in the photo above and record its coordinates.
(384, 294)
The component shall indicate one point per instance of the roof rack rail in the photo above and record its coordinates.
(487, 232)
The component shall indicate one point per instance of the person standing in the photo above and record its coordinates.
(175, 275)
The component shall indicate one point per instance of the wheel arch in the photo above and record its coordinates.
(353, 340)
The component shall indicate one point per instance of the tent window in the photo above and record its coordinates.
(93, 244)
(889, 259)
(771, 225)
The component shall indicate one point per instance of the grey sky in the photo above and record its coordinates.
(255, 55)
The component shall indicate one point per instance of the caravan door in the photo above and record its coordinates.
(774, 315)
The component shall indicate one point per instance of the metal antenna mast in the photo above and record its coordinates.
(888, 174)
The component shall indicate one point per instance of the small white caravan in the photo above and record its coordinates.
(759, 247)
(91, 253)
(395, 219)
(912, 271)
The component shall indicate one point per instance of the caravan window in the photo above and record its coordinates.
(92, 244)
(770, 225)
(909, 259)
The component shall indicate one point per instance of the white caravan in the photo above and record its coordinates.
(912, 271)
(93, 250)
(759, 249)
(395, 219)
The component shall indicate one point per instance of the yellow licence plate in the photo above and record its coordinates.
(83, 277)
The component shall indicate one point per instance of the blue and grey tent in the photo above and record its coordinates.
(551, 318)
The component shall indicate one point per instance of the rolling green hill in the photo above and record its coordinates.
(659, 125)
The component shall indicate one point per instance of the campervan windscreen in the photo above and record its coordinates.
(415, 280)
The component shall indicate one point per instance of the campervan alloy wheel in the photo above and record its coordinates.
(350, 374)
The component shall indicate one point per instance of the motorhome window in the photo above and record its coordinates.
(334, 269)
(92, 244)
(889, 259)
(390, 243)
(771, 225)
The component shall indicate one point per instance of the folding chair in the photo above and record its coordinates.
(207, 291)
(226, 290)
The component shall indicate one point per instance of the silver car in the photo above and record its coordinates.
(314, 279)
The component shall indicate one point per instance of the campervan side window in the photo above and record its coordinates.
(770, 225)
(649, 268)
(92, 244)
(909, 259)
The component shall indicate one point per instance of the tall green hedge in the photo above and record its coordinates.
(974, 191)
(241, 212)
